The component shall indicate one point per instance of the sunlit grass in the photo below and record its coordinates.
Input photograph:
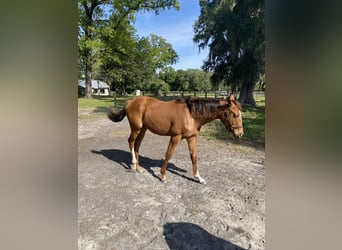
(101, 102)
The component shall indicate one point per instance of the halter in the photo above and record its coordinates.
(235, 127)
(231, 126)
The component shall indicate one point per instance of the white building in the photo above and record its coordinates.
(98, 87)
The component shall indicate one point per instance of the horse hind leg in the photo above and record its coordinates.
(137, 144)
(171, 148)
(131, 141)
(135, 121)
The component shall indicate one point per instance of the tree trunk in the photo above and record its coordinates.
(89, 10)
(88, 81)
(246, 94)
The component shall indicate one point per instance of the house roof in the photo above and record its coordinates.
(95, 84)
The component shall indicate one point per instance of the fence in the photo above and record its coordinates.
(205, 94)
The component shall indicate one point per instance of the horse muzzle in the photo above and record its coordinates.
(238, 135)
(237, 131)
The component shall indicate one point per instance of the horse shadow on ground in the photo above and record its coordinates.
(189, 236)
(123, 158)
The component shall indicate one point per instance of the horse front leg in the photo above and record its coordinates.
(171, 148)
(192, 141)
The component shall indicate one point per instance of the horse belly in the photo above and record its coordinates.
(159, 125)
(166, 119)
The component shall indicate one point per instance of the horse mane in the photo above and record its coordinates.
(201, 107)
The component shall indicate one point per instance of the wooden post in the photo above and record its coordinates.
(114, 94)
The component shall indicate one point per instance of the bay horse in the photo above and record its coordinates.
(179, 119)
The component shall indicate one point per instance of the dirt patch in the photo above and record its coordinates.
(121, 209)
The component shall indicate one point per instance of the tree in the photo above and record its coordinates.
(168, 75)
(162, 52)
(234, 33)
(158, 85)
(109, 16)
(181, 82)
(186, 80)
(137, 66)
(199, 80)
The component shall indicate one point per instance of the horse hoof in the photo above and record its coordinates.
(202, 182)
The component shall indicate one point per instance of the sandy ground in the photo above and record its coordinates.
(121, 209)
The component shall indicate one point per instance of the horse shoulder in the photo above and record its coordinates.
(191, 126)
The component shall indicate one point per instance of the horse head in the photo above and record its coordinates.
(230, 115)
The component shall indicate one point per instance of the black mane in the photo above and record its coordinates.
(201, 107)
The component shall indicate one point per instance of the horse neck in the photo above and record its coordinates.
(204, 111)
(205, 120)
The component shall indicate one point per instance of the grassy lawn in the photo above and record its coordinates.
(96, 107)
(253, 119)
(101, 102)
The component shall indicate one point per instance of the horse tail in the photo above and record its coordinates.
(116, 116)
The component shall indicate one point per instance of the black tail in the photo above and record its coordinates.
(116, 116)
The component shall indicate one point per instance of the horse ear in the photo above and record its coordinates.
(230, 99)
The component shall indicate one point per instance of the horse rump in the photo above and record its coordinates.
(116, 116)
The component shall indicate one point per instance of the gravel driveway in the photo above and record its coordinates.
(120, 209)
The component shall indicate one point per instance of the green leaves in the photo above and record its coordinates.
(189, 80)
(234, 33)
(108, 45)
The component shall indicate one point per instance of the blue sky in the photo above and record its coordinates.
(177, 28)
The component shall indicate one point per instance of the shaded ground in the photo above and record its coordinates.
(121, 209)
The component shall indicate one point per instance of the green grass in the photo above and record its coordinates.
(101, 102)
(95, 108)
